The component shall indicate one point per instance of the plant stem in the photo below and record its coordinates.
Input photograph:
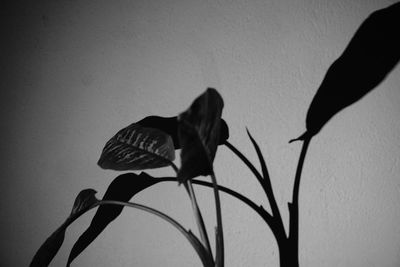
(274, 221)
(204, 256)
(267, 186)
(220, 233)
(293, 237)
(174, 167)
(196, 211)
(258, 209)
(199, 218)
(245, 161)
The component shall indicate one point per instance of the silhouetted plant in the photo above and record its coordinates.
(151, 142)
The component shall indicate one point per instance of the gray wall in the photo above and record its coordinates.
(75, 72)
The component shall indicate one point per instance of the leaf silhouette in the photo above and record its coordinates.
(137, 148)
(122, 188)
(371, 54)
(84, 201)
(198, 132)
(169, 125)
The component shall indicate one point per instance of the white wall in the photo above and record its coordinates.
(75, 72)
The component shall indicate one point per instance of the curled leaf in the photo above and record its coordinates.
(122, 188)
(169, 125)
(369, 57)
(199, 132)
(137, 148)
(84, 201)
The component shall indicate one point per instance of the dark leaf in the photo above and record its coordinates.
(85, 199)
(122, 188)
(170, 126)
(371, 54)
(198, 132)
(83, 202)
(137, 148)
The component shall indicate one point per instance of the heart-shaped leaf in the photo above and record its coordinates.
(84, 201)
(137, 148)
(122, 188)
(369, 57)
(169, 125)
(199, 132)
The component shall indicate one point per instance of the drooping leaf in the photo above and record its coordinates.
(84, 201)
(369, 57)
(169, 125)
(198, 132)
(122, 188)
(137, 148)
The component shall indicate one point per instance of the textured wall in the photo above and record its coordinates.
(75, 72)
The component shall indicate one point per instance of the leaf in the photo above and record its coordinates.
(122, 188)
(84, 201)
(198, 132)
(369, 57)
(137, 148)
(169, 125)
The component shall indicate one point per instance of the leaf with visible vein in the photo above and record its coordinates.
(199, 132)
(169, 125)
(137, 148)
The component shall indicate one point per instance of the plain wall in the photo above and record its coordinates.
(76, 72)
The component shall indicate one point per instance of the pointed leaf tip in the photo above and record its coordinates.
(302, 137)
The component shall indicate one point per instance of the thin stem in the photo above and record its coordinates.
(196, 211)
(267, 186)
(294, 206)
(205, 257)
(199, 218)
(275, 223)
(245, 161)
(207, 261)
(258, 209)
(174, 167)
(220, 232)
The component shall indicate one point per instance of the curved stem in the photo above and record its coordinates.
(258, 209)
(275, 223)
(245, 161)
(207, 261)
(294, 206)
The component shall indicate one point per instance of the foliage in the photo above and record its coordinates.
(151, 142)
